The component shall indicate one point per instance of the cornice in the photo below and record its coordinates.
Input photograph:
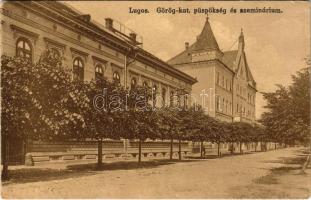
(99, 35)
(77, 51)
(46, 39)
(24, 31)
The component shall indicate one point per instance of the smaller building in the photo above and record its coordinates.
(226, 88)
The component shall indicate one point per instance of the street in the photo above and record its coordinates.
(272, 174)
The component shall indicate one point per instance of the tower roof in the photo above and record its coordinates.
(206, 40)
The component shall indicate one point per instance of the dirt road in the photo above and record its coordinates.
(227, 177)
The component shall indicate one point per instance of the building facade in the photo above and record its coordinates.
(226, 88)
(88, 48)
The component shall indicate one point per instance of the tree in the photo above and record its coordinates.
(107, 101)
(39, 101)
(288, 116)
(140, 119)
(194, 121)
(170, 126)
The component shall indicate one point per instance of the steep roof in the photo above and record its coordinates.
(229, 58)
(205, 41)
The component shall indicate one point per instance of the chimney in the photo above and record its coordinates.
(109, 23)
(133, 36)
(186, 45)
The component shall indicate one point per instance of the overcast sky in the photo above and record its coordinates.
(276, 44)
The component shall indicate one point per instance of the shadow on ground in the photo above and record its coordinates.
(293, 165)
(26, 175)
(299, 159)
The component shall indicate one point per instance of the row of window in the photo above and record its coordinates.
(242, 92)
(225, 83)
(24, 50)
(155, 93)
(223, 106)
(241, 110)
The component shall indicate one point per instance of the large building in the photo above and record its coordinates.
(226, 88)
(88, 48)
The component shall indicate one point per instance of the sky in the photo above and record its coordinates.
(275, 44)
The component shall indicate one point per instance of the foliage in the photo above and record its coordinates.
(288, 117)
(39, 101)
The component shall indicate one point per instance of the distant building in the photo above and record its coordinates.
(224, 76)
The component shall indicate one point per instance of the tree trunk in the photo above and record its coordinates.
(231, 148)
(139, 150)
(179, 148)
(171, 149)
(305, 165)
(241, 148)
(5, 163)
(275, 147)
(202, 149)
(218, 149)
(100, 153)
(255, 146)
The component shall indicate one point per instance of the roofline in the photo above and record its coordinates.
(207, 61)
(145, 54)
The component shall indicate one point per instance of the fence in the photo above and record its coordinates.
(74, 150)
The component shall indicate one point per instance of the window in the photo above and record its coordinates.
(163, 96)
(145, 84)
(78, 69)
(23, 49)
(226, 84)
(133, 82)
(217, 78)
(179, 100)
(154, 95)
(99, 71)
(230, 108)
(217, 103)
(54, 53)
(186, 101)
(116, 77)
(223, 81)
(230, 86)
(171, 98)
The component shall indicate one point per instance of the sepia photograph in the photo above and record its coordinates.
(155, 100)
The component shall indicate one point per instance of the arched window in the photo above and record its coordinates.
(99, 71)
(186, 101)
(23, 48)
(171, 98)
(133, 82)
(163, 96)
(116, 77)
(55, 53)
(154, 95)
(78, 69)
(145, 84)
